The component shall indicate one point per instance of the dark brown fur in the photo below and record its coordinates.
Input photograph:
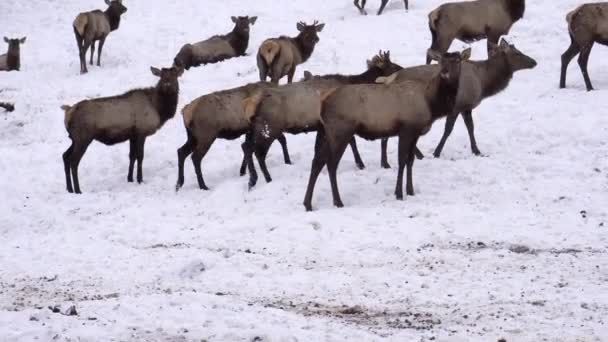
(9, 107)
(12, 59)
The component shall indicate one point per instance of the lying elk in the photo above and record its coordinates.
(9, 107)
(12, 59)
(296, 108)
(217, 48)
(470, 21)
(478, 81)
(96, 25)
(382, 5)
(132, 116)
(278, 57)
(586, 26)
(212, 116)
(373, 111)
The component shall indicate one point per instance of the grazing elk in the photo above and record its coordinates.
(9, 107)
(212, 116)
(278, 57)
(470, 21)
(217, 48)
(478, 81)
(12, 59)
(373, 111)
(96, 25)
(296, 108)
(586, 26)
(132, 116)
(382, 5)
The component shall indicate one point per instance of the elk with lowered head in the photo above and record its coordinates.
(383, 3)
(212, 116)
(478, 81)
(296, 108)
(586, 26)
(93, 26)
(470, 21)
(11, 60)
(132, 116)
(373, 111)
(278, 57)
(217, 48)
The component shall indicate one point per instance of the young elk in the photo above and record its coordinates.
(212, 116)
(12, 59)
(375, 111)
(382, 5)
(217, 48)
(96, 25)
(296, 108)
(586, 26)
(278, 57)
(471, 21)
(132, 116)
(478, 81)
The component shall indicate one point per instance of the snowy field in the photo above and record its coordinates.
(510, 245)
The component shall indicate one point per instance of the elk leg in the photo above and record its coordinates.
(263, 68)
(407, 5)
(248, 155)
(79, 148)
(202, 147)
(406, 140)
(79, 41)
(83, 58)
(358, 161)
(261, 151)
(383, 154)
(141, 141)
(243, 169)
(66, 166)
(492, 39)
(583, 58)
(101, 42)
(361, 8)
(418, 153)
(449, 126)
(567, 56)
(290, 74)
(468, 121)
(318, 163)
(382, 5)
(409, 188)
(92, 51)
(335, 154)
(183, 153)
(283, 141)
(440, 44)
(132, 158)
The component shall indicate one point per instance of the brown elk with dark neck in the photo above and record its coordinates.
(470, 21)
(132, 116)
(96, 25)
(278, 57)
(11, 60)
(374, 111)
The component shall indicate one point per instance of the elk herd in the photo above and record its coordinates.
(384, 100)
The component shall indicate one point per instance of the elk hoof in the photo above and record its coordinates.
(308, 207)
(477, 152)
(436, 154)
(385, 165)
(410, 192)
(339, 204)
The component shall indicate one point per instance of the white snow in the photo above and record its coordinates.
(143, 263)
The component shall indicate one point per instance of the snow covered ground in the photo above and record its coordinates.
(513, 244)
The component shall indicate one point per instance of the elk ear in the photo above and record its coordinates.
(234, 19)
(307, 75)
(465, 55)
(300, 27)
(155, 71)
(108, 2)
(22, 40)
(6, 39)
(503, 43)
(252, 20)
(434, 55)
(320, 27)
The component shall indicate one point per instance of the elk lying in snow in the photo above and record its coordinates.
(96, 25)
(12, 59)
(296, 108)
(9, 107)
(278, 57)
(478, 80)
(132, 116)
(382, 5)
(373, 111)
(212, 116)
(471, 21)
(217, 48)
(586, 26)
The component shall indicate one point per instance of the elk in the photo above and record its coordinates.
(132, 116)
(382, 5)
(586, 26)
(278, 57)
(217, 48)
(373, 111)
(212, 116)
(11, 60)
(296, 108)
(478, 81)
(470, 21)
(93, 26)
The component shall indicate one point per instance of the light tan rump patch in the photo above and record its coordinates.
(80, 23)
(269, 50)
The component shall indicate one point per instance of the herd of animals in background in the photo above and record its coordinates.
(383, 101)
(383, 3)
